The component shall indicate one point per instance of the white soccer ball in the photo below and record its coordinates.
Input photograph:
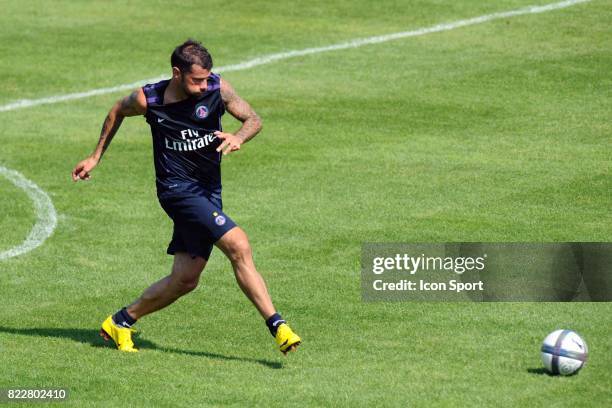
(564, 352)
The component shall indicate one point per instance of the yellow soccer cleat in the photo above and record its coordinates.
(286, 339)
(122, 336)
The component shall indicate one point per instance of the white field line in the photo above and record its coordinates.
(46, 217)
(45, 212)
(266, 59)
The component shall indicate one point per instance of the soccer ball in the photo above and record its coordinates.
(564, 352)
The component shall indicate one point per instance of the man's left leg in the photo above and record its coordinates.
(235, 245)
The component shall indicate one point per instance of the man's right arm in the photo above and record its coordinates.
(132, 105)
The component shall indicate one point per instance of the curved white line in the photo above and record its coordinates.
(46, 217)
(267, 59)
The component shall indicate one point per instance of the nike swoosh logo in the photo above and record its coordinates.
(160, 120)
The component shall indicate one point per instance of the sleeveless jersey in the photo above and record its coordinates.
(184, 145)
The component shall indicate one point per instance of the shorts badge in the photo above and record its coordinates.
(219, 220)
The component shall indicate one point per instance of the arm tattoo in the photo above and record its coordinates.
(128, 106)
(241, 110)
(109, 128)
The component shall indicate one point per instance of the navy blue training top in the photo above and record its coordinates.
(184, 146)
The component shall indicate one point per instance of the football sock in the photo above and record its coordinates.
(273, 322)
(123, 319)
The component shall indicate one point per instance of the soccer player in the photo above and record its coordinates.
(184, 114)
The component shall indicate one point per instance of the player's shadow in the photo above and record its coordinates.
(92, 338)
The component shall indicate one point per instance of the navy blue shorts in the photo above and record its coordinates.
(198, 223)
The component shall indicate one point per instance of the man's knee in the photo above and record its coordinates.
(237, 246)
(186, 272)
(186, 285)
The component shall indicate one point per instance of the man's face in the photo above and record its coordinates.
(195, 82)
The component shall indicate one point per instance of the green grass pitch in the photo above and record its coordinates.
(494, 132)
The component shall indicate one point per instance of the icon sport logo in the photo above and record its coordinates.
(201, 111)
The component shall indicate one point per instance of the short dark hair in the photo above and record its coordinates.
(191, 52)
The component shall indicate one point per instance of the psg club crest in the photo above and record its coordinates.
(219, 220)
(201, 111)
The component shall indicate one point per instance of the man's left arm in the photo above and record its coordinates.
(241, 110)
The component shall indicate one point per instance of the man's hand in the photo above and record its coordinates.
(230, 143)
(83, 168)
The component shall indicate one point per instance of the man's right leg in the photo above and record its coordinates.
(183, 279)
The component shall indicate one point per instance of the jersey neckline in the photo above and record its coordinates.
(188, 99)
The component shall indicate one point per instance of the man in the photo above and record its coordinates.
(185, 118)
